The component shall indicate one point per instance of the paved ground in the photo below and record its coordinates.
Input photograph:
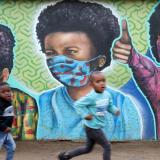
(40, 150)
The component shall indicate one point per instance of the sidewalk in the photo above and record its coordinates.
(48, 150)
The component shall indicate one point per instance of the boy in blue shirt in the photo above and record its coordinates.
(92, 109)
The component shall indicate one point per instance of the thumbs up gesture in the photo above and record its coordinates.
(122, 47)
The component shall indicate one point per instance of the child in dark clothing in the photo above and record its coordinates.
(93, 108)
(6, 119)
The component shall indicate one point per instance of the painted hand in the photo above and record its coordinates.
(122, 47)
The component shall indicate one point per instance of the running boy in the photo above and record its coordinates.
(6, 119)
(92, 109)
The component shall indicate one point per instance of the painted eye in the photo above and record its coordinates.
(50, 53)
(70, 52)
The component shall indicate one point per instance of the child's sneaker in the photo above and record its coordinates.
(63, 156)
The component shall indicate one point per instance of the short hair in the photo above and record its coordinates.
(7, 43)
(97, 21)
(154, 31)
(4, 84)
(95, 73)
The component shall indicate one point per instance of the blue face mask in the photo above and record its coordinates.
(72, 72)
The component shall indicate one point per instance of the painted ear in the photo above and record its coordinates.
(101, 61)
(5, 74)
(97, 62)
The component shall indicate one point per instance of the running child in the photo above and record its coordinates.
(6, 119)
(92, 109)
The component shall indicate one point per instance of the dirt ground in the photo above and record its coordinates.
(48, 150)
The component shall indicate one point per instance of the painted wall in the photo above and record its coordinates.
(44, 107)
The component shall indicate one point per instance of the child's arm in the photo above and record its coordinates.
(3, 122)
(3, 126)
(81, 107)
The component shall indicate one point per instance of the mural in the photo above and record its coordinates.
(58, 44)
(76, 41)
(145, 71)
(25, 122)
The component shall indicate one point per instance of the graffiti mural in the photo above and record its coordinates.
(76, 42)
(58, 44)
(145, 71)
(25, 122)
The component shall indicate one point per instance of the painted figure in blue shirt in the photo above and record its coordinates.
(76, 38)
(92, 109)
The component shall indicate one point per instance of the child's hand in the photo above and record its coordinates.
(7, 130)
(89, 117)
(117, 113)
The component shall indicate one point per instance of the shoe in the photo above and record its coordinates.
(63, 156)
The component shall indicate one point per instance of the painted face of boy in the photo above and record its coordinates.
(5, 92)
(67, 54)
(75, 45)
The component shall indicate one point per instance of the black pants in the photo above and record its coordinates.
(93, 136)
